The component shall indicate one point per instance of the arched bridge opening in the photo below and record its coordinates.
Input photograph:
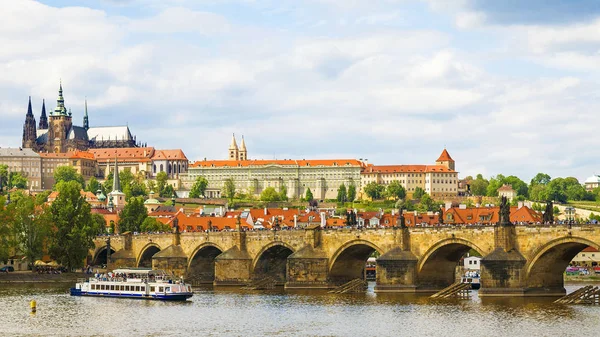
(438, 267)
(350, 262)
(201, 268)
(545, 272)
(101, 257)
(145, 259)
(272, 263)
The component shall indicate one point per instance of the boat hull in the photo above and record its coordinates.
(160, 297)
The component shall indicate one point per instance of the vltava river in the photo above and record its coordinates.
(279, 313)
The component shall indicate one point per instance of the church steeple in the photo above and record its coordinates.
(43, 119)
(233, 149)
(243, 153)
(29, 130)
(116, 197)
(86, 121)
(60, 103)
(116, 181)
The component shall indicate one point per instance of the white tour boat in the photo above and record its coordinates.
(473, 278)
(134, 283)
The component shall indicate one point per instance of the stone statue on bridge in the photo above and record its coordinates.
(401, 223)
(549, 213)
(504, 212)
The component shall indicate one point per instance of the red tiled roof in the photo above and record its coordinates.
(169, 155)
(406, 168)
(445, 156)
(123, 154)
(284, 162)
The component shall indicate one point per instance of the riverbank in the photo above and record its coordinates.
(30, 277)
(582, 278)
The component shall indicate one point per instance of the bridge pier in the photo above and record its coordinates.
(172, 259)
(123, 258)
(502, 274)
(396, 272)
(308, 268)
(233, 268)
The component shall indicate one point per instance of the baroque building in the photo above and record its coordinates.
(57, 134)
(439, 180)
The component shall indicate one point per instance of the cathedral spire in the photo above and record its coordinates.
(29, 130)
(86, 121)
(60, 102)
(243, 153)
(43, 119)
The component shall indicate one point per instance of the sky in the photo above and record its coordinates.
(507, 87)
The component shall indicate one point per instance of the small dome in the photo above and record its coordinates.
(151, 201)
(593, 180)
(101, 197)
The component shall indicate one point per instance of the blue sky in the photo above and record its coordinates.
(507, 87)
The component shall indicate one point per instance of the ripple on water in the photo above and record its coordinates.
(278, 313)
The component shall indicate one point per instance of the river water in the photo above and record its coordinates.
(279, 313)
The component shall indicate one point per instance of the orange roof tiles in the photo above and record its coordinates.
(445, 156)
(123, 154)
(406, 168)
(283, 162)
(169, 155)
(506, 188)
(200, 223)
(65, 155)
(82, 155)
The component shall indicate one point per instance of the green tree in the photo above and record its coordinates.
(93, 185)
(199, 187)
(73, 227)
(18, 180)
(152, 225)
(479, 186)
(31, 227)
(100, 222)
(161, 183)
(133, 215)
(351, 193)
(517, 184)
(494, 185)
(342, 194)
(395, 190)
(66, 174)
(309, 195)
(7, 214)
(108, 183)
(426, 204)
(540, 179)
(3, 177)
(269, 194)
(229, 189)
(418, 193)
(539, 192)
(283, 192)
(374, 190)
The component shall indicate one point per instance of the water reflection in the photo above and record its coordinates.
(233, 312)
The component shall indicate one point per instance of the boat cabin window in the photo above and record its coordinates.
(168, 289)
(112, 287)
(152, 289)
(126, 288)
(160, 289)
(143, 288)
(121, 288)
(137, 288)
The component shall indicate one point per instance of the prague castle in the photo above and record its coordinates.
(57, 134)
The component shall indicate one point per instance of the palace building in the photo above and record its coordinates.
(323, 177)
(439, 180)
(57, 134)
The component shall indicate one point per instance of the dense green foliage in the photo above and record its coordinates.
(229, 189)
(73, 227)
(418, 193)
(351, 193)
(66, 174)
(269, 194)
(395, 190)
(374, 190)
(152, 225)
(342, 194)
(199, 187)
(133, 215)
(309, 196)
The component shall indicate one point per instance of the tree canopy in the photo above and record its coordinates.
(269, 194)
(351, 193)
(73, 227)
(66, 174)
(418, 193)
(133, 215)
(374, 190)
(309, 195)
(395, 190)
(199, 187)
(342, 194)
(229, 189)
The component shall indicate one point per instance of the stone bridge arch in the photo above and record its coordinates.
(436, 268)
(348, 262)
(544, 270)
(271, 261)
(201, 263)
(144, 258)
(99, 256)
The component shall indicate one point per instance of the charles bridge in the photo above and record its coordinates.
(517, 260)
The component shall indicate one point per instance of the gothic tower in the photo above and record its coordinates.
(86, 121)
(445, 160)
(243, 154)
(29, 130)
(59, 125)
(233, 149)
(43, 118)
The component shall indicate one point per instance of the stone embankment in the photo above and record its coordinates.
(29, 277)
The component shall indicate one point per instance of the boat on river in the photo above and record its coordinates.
(134, 283)
(473, 278)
